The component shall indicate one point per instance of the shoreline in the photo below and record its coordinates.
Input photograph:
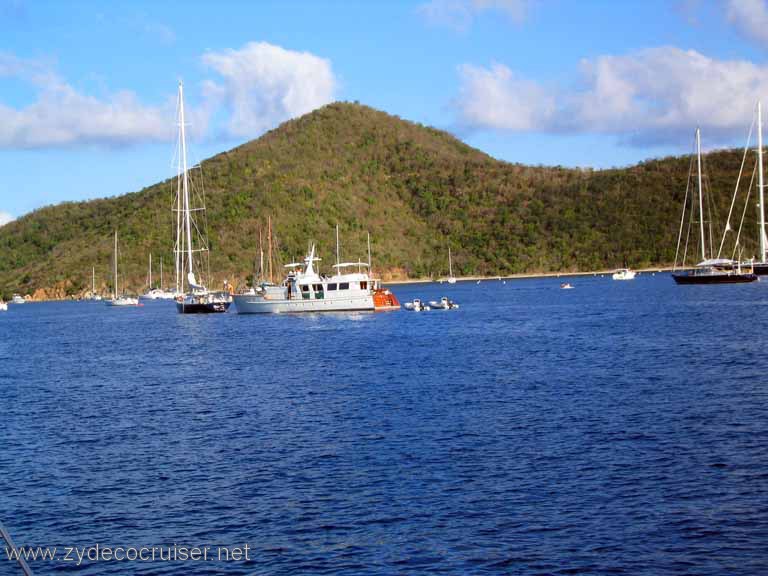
(521, 276)
(529, 276)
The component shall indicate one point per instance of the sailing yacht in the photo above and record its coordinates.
(450, 279)
(192, 254)
(118, 300)
(761, 266)
(3, 306)
(709, 270)
(94, 296)
(157, 293)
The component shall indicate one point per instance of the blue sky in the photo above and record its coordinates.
(87, 88)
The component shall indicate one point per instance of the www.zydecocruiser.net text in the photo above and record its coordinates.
(79, 555)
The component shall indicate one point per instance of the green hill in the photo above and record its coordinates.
(416, 189)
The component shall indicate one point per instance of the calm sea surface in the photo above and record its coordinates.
(617, 428)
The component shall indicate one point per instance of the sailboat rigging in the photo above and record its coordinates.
(451, 279)
(117, 299)
(192, 250)
(709, 270)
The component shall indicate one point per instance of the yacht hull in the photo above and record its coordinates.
(202, 308)
(248, 304)
(714, 278)
(760, 269)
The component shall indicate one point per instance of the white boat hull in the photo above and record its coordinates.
(123, 302)
(3, 307)
(624, 275)
(159, 295)
(254, 304)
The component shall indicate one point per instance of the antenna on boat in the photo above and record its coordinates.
(369, 252)
(338, 257)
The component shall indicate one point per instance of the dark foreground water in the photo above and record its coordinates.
(617, 428)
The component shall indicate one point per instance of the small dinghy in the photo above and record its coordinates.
(3, 306)
(417, 305)
(566, 286)
(444, 304)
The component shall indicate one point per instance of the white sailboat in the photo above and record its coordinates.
(450, 279)
(94, 296)
(157, 293)
(3, 306)
(118, 300)
(194, 297)
(18, 299)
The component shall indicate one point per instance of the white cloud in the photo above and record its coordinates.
(651, 96)
(265, 84)
(61, 116)
(460, 14)
(496, 98)
(5, 218)
(750, 17)
(262, 85)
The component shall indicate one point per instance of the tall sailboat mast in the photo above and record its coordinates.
(701, 195)
(93, 282)
(760, 179)
(185, 183)
(269, 242)
(150, 270)
(177, 253)
(450, 265)
(114, 292)
(261, 256)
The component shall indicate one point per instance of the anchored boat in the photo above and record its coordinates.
(117, 299)
(194, 298)
(709, 270)
(305, 290)
(623, 274)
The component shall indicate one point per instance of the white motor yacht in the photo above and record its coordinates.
(304, 290)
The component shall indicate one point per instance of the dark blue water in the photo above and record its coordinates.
(617, 428)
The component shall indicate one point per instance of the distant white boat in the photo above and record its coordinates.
(3, 306)
(157, 293)
(94, 296)
(443, 304)
(18, 299)
(566, 286)
(623, 274)
(118, 300)
(416, 305)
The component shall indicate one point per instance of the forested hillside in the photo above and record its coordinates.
(416, 189)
